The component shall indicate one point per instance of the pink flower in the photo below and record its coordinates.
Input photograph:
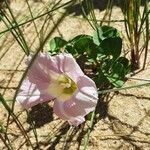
(59, 78)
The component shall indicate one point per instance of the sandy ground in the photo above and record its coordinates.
(123, 119)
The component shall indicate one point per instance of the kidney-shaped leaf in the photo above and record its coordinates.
(111, 46)
(56, 43)
(104, 32)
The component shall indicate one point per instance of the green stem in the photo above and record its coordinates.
(68, 134)
(37, 17)
(5, 143)
(14, 33)
(19, 30)
(84, 14)
(33, 20)
(147, 35)
(143, 21)
(16, 120)
(33, 128)
(90, 8)
(86, 139)
(106, 11)
(123, 88)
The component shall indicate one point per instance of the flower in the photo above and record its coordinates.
(59, 78)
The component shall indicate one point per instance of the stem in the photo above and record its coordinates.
(19, 30)
(147, 36)
(86, 139)
(33, 20)
(5, 143)
(107, 11)
(84, 14)
(123, 88)
(37, 17)
(69, 133)
(16, 120)
(16, 35)
(33, 128)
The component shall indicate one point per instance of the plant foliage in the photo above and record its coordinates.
(101, 51)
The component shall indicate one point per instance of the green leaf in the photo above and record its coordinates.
(85, 45)
(121, 67)
(115, 70)
(56, 44)
(124, 61)
(100, 78)
(111, 46)
(115, 81)
(106, 65)
(103, 33)
(82, 44)
(78, 37)
(70, 49)
(126, 64)
(119, 70)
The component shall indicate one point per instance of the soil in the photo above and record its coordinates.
(123, 120)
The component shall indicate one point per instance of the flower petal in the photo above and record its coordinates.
(82, 102)
(70, 67)
(29, 95)
(58, 109)
(76, 121)
(73, 108)
(45, 64)
(40, 69)
(88, 87)
(34, 88)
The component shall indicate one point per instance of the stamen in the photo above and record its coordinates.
(62, 87)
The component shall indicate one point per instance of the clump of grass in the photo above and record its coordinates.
(137, 29)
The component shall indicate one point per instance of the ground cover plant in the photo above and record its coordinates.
(69, 87)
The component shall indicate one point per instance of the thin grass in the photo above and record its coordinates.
(147, 34)
(55, 7)
(4, 137)
(35, 26)
(34, 129)
(4, 140)
(19, 32)
(136, 25)
(18, 35)
(16, 120)
(15, 34)
(16, 31)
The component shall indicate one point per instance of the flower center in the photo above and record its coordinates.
(62, 87)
